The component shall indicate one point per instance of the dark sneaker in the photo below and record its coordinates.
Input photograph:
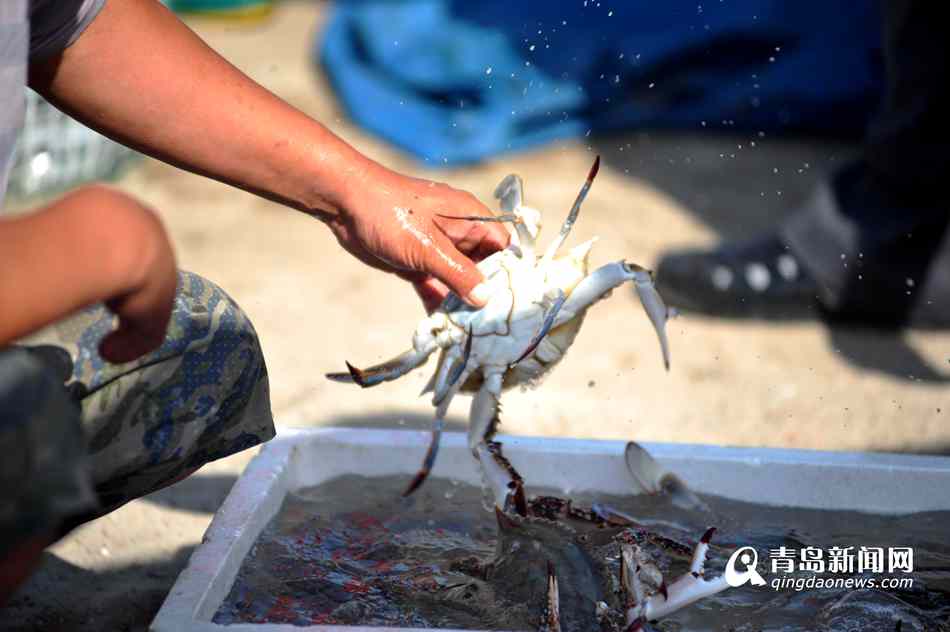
(756, 279)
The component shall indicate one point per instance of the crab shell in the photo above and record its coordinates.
(506, 326)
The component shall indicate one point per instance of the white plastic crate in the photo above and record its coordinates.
(879, 483)
(55, 152)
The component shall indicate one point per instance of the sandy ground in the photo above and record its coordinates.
(755, 384)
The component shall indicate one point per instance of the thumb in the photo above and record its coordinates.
(127, 343)
(443, 261)
(431, 291)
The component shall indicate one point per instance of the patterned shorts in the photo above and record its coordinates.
(80, 436)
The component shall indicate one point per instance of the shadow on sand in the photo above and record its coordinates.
(740, 189)
(61, 596)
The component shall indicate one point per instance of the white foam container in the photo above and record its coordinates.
(878, 483)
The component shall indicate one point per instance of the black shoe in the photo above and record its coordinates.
(757, 279)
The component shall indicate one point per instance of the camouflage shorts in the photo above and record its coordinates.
(80, 436)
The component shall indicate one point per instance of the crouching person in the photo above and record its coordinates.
(119, 374)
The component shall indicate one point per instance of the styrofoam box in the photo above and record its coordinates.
(878, 483)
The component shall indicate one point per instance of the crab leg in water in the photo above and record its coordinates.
(483, 415)
(690, 587)
(551, 614)
(503, 481)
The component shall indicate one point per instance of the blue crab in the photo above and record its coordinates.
(548, 546)
(536, 308)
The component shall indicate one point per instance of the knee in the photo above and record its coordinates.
(215, 336)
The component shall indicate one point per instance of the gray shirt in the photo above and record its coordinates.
(30, 30)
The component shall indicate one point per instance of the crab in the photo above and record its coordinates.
(557, 566)
(536, 308)
(548, 541)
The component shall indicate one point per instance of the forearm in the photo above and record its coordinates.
(139, 75)
(90, 246)
(142, 77)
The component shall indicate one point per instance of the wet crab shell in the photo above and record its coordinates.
(504, 328)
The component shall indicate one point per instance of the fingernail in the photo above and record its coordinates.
(479, 295)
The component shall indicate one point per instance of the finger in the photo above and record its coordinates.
(128, 343)
(443, 261)
(143, 324)
(432, 292)
(471, 236)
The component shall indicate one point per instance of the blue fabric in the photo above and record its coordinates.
(455, 82)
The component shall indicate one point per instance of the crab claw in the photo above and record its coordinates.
(655, 479)
(551, 613)
(355, 375)
(503, 481)
(386, 371)
(510, 192)
(654, 306)
(687, 589)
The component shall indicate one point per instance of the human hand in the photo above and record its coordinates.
(94, 244)
(144, 307)
(392, 222)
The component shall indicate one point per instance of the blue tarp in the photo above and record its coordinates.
(454, 82)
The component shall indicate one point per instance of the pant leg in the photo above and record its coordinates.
(45, 478)
(871, 233)
(201, 396)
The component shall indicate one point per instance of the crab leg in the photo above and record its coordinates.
(510, 194)
(386, 371)
(505, 484)
(572, 215)
(549, 317)
(551, 614)
(655, 308)
(437, 425)
(503, 481)
(598, 283)
(458, 373)
(689, 588)
(450, 372)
